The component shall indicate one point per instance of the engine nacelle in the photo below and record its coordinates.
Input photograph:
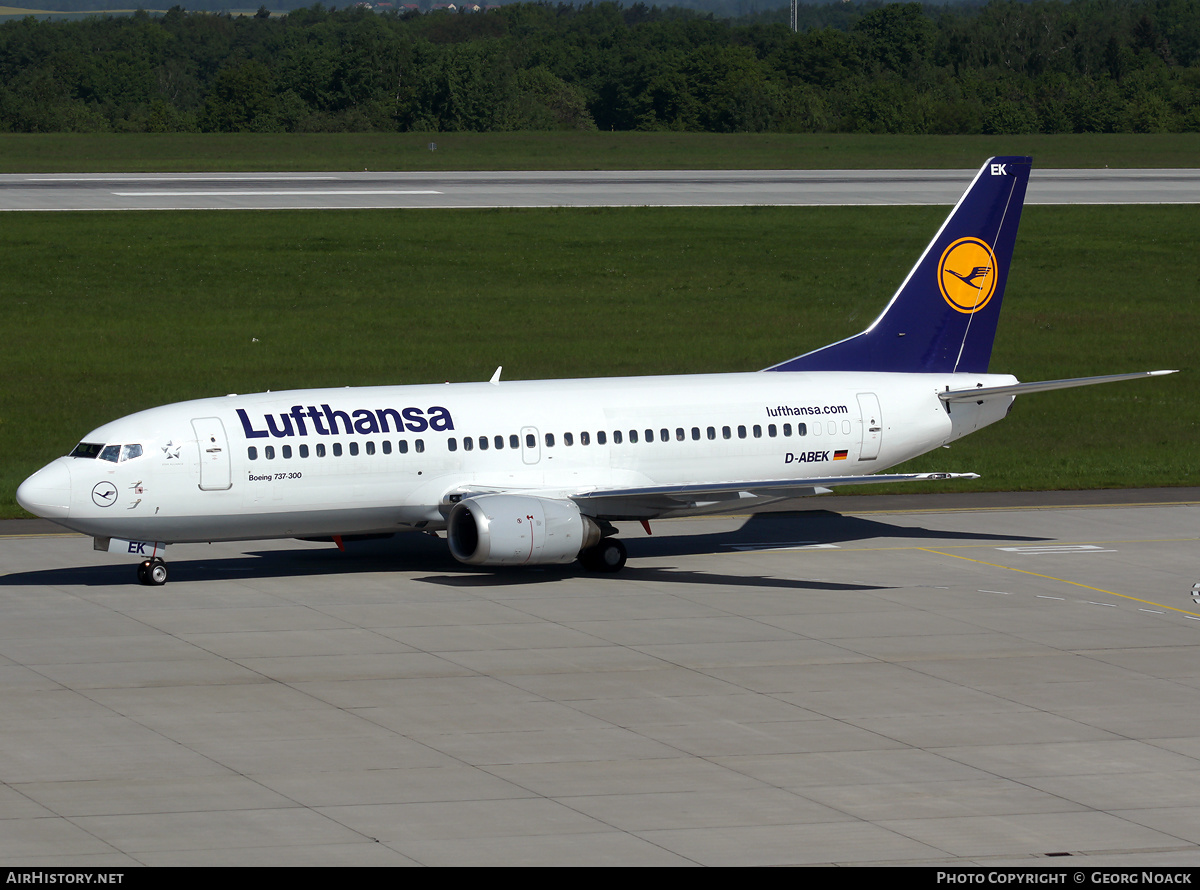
(516, 530)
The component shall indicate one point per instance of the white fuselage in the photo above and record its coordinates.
(310, 463)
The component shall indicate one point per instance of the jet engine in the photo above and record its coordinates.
(517, 530)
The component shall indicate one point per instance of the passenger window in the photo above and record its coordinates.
(419, 446)
(514, 441)
(664, 435)
(757, 431)
(530, 441)
(679, 434)
(771, 430)
(568, 439)
(500, 442)
(353, 449)
(787, 429)
(726, 432)
(337, 449)
(387, 446)
(695, 434)
(712, 432)
(402, 445)
(269, 452)
(252, 453)
(452, 444)
(483, 443)
(741, 432)
(633, 437)
(468, 443)
(320, 449)
(601, 437)
(649, 436)
(370, 447)
(617, 437)
(286, 451)
(549, 440)
(585, 438)
(801, 429)
(304, 451)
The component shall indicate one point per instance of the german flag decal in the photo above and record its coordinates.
(840, 455)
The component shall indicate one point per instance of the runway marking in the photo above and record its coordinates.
(917, 511)
(1057, 548)
(44, 535)
(783, 545)
(851, 549)
(252, 193)
(183, 177)
(1023, 507)
(1123, 596)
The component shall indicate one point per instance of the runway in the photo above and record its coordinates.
(1004, 680)
(686, 188)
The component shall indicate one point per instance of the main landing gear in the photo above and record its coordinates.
(152, 572)
(607, 556)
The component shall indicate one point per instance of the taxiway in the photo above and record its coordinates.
(950, 680)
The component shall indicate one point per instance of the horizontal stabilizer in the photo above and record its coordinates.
(982, 393)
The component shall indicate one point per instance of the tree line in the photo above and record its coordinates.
(1007, 67)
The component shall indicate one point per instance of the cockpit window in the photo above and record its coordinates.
(113, 453)
(86, 449)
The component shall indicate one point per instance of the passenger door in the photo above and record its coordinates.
(872, 425)
(215, 473)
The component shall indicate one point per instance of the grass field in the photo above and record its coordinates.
(9, 13)
(108, 313)
(174, 152)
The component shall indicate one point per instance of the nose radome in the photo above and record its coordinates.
(47, 493)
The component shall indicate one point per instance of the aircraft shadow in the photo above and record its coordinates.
(769, 531)
(426, 554)
(762, 531)
(647, 574)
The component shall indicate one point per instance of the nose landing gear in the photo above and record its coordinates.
(152, 572)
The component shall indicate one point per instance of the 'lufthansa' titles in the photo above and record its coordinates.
(325, 421)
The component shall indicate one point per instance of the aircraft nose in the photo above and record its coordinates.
(47, 493)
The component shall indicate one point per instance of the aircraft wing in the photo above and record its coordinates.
(658, 500)
(983, 393)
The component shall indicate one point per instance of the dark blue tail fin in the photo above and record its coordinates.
(943, 317)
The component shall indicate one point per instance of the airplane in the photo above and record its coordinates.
(520, 473)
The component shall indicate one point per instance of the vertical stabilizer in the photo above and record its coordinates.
(943, 318)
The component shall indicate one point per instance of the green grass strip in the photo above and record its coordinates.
(241, 152)
(109, 313)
